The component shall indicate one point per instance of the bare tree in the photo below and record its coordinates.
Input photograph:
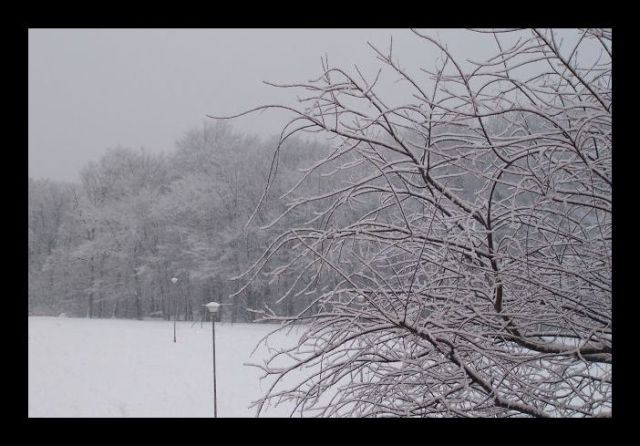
(471, 249)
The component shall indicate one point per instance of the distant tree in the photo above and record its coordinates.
(217, 181)
(49, 207)
(108, 246)
(117, 233)
(470, 251)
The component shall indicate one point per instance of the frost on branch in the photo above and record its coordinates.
(457, 261)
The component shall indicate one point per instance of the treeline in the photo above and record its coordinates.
(109, 246)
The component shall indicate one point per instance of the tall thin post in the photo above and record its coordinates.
(213, 331)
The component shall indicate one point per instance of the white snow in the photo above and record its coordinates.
(125, 368)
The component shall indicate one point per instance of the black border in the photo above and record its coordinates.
(323, 15)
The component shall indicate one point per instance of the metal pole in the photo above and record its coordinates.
(175, 311)
(213, 331)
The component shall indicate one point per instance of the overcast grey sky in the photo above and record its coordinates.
(90, 89)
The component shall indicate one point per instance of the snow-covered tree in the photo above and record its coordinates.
(49, 213)
(462, 266)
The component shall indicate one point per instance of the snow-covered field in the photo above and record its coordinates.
(124, 368)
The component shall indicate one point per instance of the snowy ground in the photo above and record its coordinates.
(124, 368)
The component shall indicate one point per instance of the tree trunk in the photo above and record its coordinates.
(163, 301)
(100, 289)
(186, 304)
(91, 282)
(138, 294)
